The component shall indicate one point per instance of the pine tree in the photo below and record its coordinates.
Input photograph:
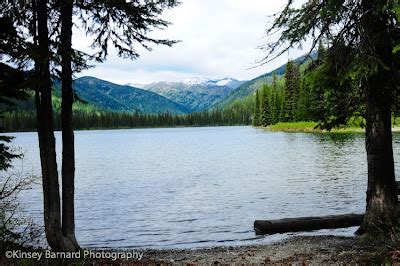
(303, 105)
(276, 100)
(12, 87)
(313, 86)
(272, 104)
(256, 113)
(292, 86)
(265, 107)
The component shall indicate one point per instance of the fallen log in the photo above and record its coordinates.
(263, 227)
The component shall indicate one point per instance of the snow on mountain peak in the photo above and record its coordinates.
(224, 82)
(205, 81)
(195, 80)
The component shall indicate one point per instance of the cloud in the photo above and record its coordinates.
(219, 39)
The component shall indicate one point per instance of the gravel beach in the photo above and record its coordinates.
(296, 250)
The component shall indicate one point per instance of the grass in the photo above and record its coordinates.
(309, 126)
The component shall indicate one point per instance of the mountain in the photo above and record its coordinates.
(115, 97)
(249, 87)
(196, 94)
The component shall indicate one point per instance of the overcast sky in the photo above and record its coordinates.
(220, 38)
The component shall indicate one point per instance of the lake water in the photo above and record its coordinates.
(196, 187)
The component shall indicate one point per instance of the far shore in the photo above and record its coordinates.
(310, 127)
(303, 127)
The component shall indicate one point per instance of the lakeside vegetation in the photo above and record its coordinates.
(26, 121)
(310, 126)
(306, 92)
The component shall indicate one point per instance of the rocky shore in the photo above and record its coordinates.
(299, 250)
(296, 250)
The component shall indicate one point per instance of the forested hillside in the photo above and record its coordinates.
(110, 96)
(22, 116)
(249, 87)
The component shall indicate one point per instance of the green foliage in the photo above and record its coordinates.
(26, 121)
(265, 107)
(6, 154)
(257, 111)
(301, 126)
(312, 126)
(12, 88)
(249, 87)
(239, 111)
(337, 81)
(316, 94)
(22, 115)
(303, 105)
(292, 88)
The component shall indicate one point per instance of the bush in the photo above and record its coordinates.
(15, 227)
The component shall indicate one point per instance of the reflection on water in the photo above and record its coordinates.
(193, 187)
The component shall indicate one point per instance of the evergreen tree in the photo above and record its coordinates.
(303, 105)
(272, 104)
(315, 87)
(12, 88)
(256, 113)
(266, 116)
(292, 87)
(275, 100)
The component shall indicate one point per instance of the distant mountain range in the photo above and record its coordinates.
(110, 96)
(177, 97)
(196, 94)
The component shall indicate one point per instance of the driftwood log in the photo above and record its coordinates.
(263, 227)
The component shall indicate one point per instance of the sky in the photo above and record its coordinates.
(219, 38)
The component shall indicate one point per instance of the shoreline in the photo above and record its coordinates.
(304, 250)
(295, 250)
(309, 127)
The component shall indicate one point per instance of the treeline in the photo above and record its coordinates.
(26, 120)
(22, 116)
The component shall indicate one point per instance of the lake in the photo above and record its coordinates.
(201, 187)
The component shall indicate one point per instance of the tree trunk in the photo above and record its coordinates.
(68, 155)
(381, 214)
(45, 128)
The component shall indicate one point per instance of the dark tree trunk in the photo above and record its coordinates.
(381, 211)
(381, 214)
(45, 128)
(68, 155)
